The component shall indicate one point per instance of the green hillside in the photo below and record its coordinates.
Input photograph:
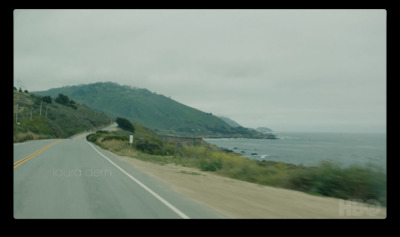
(229, 121)
(42, 118)
(155, 111)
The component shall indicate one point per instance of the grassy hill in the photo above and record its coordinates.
(229, 121)
(55, 120)
(155, 111)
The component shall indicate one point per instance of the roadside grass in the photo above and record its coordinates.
(354, 183)
(36, 128)
(25, 136)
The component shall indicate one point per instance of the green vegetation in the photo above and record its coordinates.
(326, 179)
(155, 111)
(125, 124)
(64, 100)
(347, 183)
(47, 99)
(145, 141)
(39, 118)
(229, 121)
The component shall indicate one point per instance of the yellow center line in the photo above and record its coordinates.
(16, 164)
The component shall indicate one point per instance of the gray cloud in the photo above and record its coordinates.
(299, 70)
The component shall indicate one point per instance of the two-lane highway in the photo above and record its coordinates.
(72, 178)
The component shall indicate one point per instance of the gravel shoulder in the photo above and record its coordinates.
(238, 199)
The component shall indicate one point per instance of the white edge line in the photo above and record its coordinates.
(172, 207)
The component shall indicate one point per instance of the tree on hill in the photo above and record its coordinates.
(47, 99)
(64, 100)
(125, 124)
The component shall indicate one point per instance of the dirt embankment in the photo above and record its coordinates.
(237, 199)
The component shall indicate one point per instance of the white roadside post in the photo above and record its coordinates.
(131, 139)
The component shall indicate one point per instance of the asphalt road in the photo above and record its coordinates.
(76, 179)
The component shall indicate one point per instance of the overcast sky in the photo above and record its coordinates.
(290, 70)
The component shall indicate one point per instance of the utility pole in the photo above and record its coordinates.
(31, 113)
(40, 109)
(16, 115)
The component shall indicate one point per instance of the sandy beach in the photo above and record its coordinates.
(238, 199)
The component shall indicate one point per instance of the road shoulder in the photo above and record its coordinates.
(238, 199)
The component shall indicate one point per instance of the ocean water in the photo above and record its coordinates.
(310, 149)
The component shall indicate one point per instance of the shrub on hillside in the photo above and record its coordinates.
(347, 183)
(47, 99)
(94, 136)
(125, 124)
(210, 164)
(150, 145)
(115, 137)
(64, 100)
